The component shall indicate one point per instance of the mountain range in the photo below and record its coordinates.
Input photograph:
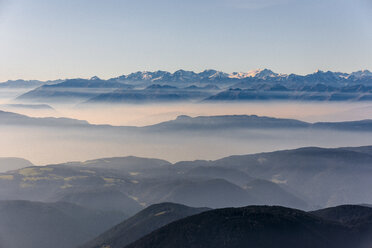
(188, 138)
(286, 198)
(304, 178)
(27, 83)
(190, 124)
(182, 76)
(71, 90)
(210, 85)
(90, 200)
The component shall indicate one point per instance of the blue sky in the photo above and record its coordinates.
(49, 39)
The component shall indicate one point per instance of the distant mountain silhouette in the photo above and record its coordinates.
(9, 118)
(209, 85)
(104, 199)
(231, 175)
(246, 78)
(226, 121)
(153, 93)
(215, 193)
(30, 106)
(17, 84)
(229, 122)
(306, 178)
(8, 164)
(317, 173)
(72, 89)
(268, 193)
(193, 124)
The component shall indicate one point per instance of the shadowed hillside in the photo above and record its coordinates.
(261, 227)
(141, 224)
(44, 225)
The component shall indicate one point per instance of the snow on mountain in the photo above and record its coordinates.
(361, 74)
(259, 73)
(94, 78)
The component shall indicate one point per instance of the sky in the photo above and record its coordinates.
(57, 39)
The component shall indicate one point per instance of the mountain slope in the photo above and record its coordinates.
(44, 225)
(360, 217)
(319, 177)
(327, 177)
(72, 89)
(269, 193)
(141, 224)
(13, 119)
(23, 84)
(8, 164)
(193, 124)
(205, 123)
(259, 227)
(213, 193)
(104, 199)
(234, 176)
(346, 214)
(153, 93)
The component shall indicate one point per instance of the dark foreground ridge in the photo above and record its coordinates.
(261, 227)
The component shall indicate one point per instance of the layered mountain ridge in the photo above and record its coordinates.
(210, 85)
(263, 74)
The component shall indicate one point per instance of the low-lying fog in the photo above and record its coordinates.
(44, 146)
(56, 146)
(148, 114)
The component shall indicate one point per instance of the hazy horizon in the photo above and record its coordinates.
(48, 145)
(149, 114)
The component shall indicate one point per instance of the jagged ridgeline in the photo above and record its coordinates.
(209, 85)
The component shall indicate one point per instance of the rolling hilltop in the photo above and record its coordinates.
(172, 225)
(191, 124)
(261, 227)
(305, 178)
(85, 199)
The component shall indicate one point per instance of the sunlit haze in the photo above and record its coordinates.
(149, 114)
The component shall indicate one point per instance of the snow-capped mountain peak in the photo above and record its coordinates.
(361, 74)
(259, 73)
(95, 78)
